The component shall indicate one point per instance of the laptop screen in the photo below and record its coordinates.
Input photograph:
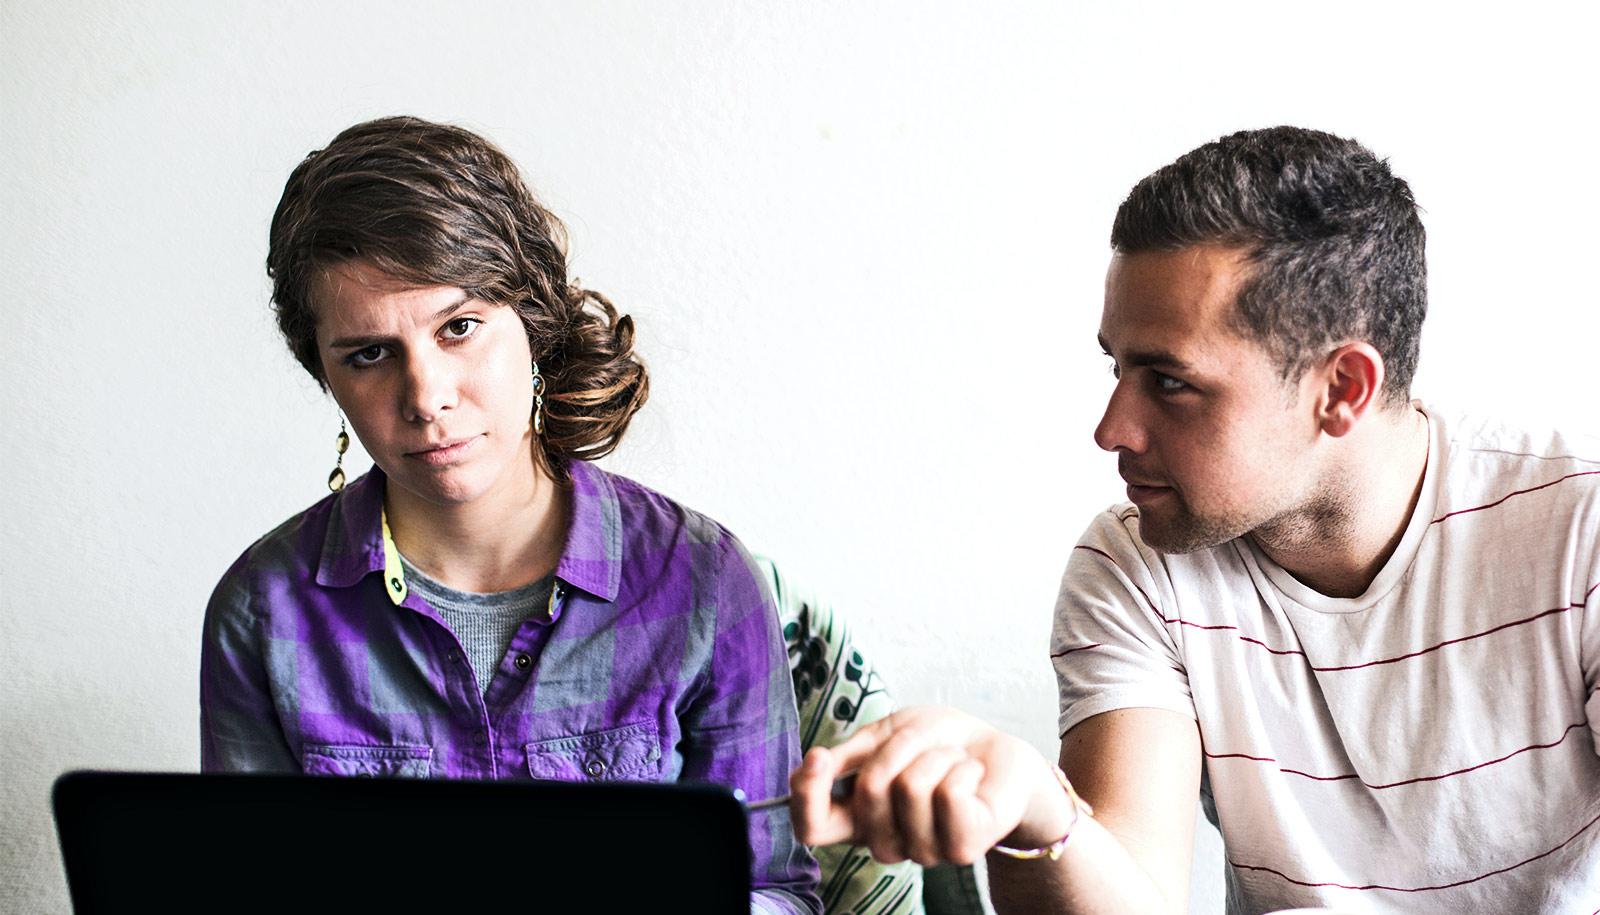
(289, 843)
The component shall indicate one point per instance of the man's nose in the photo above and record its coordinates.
(1122, 427)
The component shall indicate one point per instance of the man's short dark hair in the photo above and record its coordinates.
(1333, 236)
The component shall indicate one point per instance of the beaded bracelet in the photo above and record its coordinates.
(1054, 849)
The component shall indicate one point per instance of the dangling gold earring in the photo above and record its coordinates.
(342, 443)
(538, 401)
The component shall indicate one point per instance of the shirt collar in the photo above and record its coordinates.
(358, 541)
(592, 558)
(353, 545)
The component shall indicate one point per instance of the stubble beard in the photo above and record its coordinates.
(1284, 527)
(1187, 532)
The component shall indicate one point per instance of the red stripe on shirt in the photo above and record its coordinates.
(1584, 473)
(1135, 584)
(1289, 651)
(1419, 889)
(1062, 654)
(1465, 638)
(1409, 781)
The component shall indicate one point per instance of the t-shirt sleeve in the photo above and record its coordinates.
(1111, 645)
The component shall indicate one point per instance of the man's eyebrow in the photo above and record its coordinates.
(1158, 358)
(378, 340)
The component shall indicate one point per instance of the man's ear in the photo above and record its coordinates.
(1352, 379)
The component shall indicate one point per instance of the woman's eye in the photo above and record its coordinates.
(461, 327)
(1116, 371)
(366, 356)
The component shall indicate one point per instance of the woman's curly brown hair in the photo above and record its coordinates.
(433, 204)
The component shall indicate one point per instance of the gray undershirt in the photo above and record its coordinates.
(483, 623)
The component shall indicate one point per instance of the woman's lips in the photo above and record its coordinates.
(445, 454)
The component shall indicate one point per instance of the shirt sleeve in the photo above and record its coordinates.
(839, 690)
(742, 729)
(239, 729)
(1111, 645)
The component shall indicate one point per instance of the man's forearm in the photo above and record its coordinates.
(1095, 874)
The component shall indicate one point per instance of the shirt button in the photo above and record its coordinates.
(595, 768)
(523, 662)
(479, 736)
(453, 657)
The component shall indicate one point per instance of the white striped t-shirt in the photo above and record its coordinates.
(1430, 746)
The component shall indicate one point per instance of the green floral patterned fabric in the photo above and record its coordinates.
(838, 690)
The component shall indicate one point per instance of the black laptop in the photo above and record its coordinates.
(297, 844)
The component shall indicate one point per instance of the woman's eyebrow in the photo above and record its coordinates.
(362, 342)
(450, 309)
(359, 342)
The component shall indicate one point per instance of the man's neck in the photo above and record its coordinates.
(1340, 541)
(509, 537)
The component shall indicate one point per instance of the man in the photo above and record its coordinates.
(1373, 626)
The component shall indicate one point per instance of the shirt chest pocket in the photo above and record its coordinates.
(367, 762)
(631, 752)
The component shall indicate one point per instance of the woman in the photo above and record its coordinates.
(484, 603)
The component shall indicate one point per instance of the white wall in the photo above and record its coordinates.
(864, 244)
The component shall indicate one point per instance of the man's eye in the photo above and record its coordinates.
(1116, 370)
(461, 327)
(365, 357)
(1168, 384)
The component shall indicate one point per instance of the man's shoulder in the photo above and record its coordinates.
(1519, 441)
(1117, 527)
(1488, 459)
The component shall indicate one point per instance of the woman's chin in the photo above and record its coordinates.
(447, 488)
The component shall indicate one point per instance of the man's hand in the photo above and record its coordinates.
(933, 785)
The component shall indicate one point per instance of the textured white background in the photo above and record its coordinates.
(864, 245)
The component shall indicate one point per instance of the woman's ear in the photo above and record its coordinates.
(1353, 384)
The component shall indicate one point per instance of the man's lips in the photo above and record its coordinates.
(1140, 490)
(445, 452)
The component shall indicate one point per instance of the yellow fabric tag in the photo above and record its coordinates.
(394, 574)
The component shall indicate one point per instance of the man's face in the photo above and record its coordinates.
(1212, 442)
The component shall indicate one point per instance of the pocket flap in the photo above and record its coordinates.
(367, 762)
(632, 752)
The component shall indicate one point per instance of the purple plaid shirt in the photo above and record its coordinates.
(658, 659)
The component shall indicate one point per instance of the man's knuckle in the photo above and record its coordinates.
(887, 852)
(911, 787)
(947, 794)
(872, 787)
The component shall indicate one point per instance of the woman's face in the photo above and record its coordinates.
(437, 385)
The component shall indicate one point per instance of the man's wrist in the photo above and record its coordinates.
(1052, 813)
